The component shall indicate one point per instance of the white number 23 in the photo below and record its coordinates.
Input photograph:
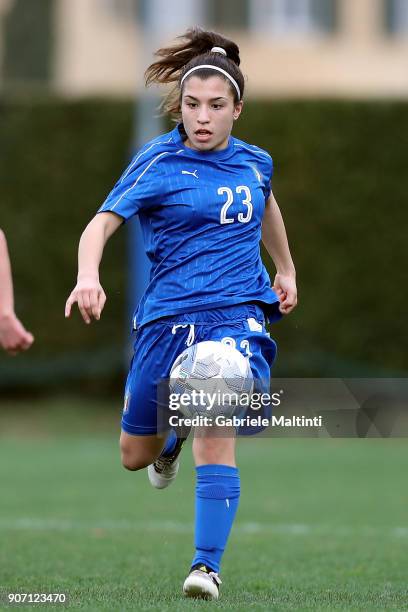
(242, 218)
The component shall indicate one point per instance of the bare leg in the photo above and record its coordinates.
(210, 449)
(138, 452)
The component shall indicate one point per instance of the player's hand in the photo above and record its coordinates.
(13, 336)
(90, 298)
(285, 288)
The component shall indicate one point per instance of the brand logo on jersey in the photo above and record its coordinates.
(257, 173)
(192, 173)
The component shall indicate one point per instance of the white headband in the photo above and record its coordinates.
(224, 72)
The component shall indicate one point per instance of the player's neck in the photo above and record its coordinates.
(220, 147)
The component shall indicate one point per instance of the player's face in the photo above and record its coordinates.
(208, 113)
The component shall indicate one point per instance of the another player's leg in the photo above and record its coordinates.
(217, 498)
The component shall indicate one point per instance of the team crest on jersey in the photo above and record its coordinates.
(126, 403)
(256, 172)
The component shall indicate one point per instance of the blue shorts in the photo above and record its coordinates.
(158, 344)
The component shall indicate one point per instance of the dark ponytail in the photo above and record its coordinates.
(195, 49)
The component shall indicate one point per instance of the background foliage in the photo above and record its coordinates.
(341, 183)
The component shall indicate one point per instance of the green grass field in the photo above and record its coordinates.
(322, 523)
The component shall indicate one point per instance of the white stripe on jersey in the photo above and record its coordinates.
(140, 155)
(254, 150)
(138, 178)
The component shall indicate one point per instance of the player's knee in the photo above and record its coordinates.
(136, 452)
(133, 465)
(134, 462)
(136, 457)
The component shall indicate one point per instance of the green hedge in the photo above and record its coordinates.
(341, 183)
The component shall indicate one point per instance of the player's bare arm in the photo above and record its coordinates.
(88, 292)
(276, 243)
(13, 336)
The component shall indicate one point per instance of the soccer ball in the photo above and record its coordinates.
(210, 379)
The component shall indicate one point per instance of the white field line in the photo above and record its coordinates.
(251, 528)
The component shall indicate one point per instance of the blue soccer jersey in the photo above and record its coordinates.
(201, 215)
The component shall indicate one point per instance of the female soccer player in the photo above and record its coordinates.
(204, 201)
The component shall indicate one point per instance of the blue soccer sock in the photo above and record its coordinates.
(170, 444)
(217, 498)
